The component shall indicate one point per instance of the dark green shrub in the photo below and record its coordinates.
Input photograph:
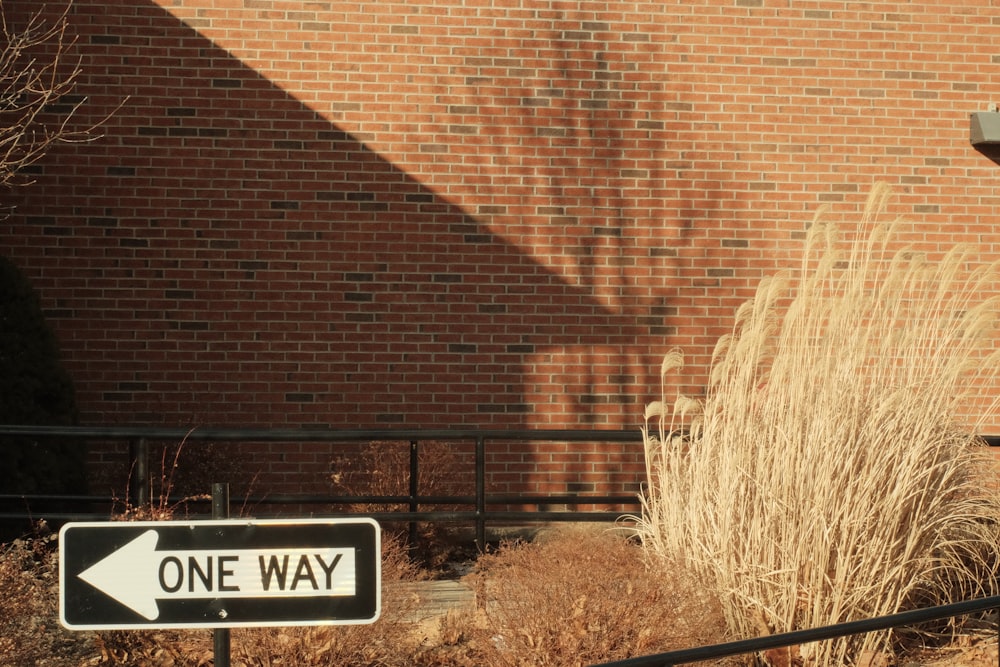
(34, 390)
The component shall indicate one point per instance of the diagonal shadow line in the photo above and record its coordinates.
(238, 230)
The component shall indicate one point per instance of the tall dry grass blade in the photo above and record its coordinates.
(834, 473)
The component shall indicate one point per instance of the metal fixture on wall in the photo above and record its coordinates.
(984, 127)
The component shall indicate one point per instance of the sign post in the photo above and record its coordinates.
(221, 639)
(219, 573)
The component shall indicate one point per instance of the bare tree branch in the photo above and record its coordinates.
(34, 79)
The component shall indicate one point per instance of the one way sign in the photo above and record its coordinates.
(233, 573)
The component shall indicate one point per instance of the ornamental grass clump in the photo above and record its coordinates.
(828, 474)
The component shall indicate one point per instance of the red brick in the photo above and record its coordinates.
(563, 167)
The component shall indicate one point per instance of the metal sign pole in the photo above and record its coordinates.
(221, 637)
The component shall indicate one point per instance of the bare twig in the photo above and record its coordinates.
(37, 105)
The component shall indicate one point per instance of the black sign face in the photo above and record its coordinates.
(218, 574)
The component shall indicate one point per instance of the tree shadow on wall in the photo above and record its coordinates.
(242, 260)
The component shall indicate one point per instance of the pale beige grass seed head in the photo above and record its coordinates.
(832, 472)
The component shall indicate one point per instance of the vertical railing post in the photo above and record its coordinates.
(414, 485)
(138, 454)
(480, 492)
(220, 636)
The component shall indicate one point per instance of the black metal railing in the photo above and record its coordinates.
(482, 506)
(797, 637)
(139, 439)
(787, 639)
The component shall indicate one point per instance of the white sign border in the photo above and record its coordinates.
(204, 523)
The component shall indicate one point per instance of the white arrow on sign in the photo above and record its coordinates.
(137, 575)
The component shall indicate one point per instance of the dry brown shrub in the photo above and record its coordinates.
(181, 475)
(578, 596)
(28, 573)
(382, 468)
(388, 642)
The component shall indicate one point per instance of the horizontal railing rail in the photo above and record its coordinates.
(797, 637)
(234, 434)
(794, 638)
(140, 437)
(480, 505)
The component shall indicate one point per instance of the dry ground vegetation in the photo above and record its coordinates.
(577, 596)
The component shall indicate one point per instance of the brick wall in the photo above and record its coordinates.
(370, 214)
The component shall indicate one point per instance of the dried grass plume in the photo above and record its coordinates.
(831, 472)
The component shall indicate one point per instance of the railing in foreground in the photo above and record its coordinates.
(786, 639)
(811, 635)
(139, 439)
